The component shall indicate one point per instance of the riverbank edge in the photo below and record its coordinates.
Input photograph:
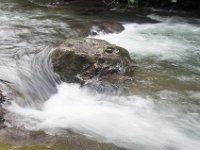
(18, 139)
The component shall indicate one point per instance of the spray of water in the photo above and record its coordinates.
(136, 121)
(133, 122)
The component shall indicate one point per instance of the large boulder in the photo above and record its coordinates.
(86, 60)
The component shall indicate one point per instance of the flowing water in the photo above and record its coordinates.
(162, 110)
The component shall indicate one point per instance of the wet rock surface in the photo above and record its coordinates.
(72, 3)
(2, 99)
(88, 60)
(96, 28)
(107, 27)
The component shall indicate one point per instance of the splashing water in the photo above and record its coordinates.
(162, 113)
(166, 40)
(128, 121)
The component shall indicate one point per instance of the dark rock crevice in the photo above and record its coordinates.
(2, 112)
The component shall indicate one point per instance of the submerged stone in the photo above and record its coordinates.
(106, 27)
(95, 28)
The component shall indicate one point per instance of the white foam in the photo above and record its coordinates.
(163, 41)
(128, 121)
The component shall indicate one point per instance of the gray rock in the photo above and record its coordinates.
(86, 60)
(95, 28)
(106, 27)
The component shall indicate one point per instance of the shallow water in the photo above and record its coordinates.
(162, 110)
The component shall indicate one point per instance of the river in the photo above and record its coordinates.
(162, 110)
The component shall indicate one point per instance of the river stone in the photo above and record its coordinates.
(95, 28)
(106, 27)
(86, 60)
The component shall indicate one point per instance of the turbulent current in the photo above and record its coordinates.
(162, 110)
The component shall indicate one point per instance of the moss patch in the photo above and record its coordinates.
(4, 146)
(32, 148)
(57, 147)
(37, 140)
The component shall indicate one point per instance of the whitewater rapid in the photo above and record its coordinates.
(164, 117)
(173, 39)
(133, 121)
(162, 109)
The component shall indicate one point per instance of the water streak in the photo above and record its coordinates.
(162, 113)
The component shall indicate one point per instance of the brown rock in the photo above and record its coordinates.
(86, 60)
